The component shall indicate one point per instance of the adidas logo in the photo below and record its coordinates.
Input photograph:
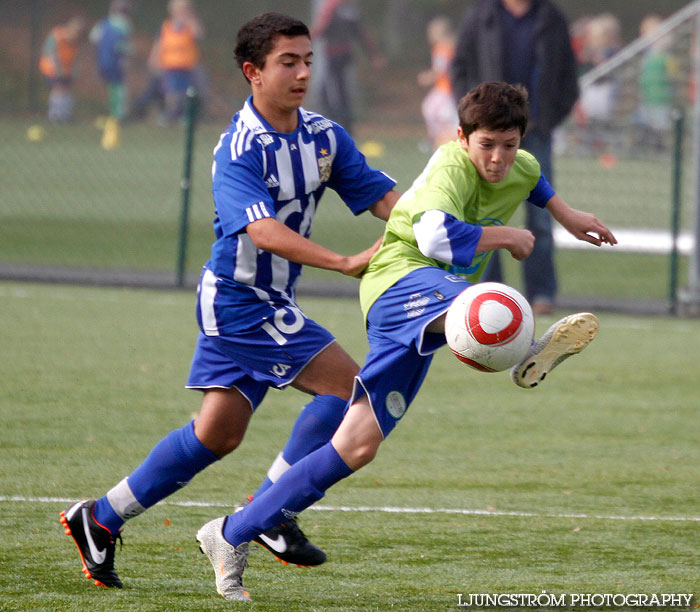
(272, 182)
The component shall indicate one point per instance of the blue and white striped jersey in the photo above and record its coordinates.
(258, 172)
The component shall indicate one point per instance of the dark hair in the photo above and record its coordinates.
(257, 37)
(494, 106)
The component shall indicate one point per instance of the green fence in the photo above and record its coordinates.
(71, 210)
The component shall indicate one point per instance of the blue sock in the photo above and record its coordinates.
(172, 463)
(314, 426)
(300, 486)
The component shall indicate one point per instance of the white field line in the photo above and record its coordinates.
(397, 510)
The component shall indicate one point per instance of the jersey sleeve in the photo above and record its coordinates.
(240, 194)
(358, 185)
(441, 236)
(542, 192)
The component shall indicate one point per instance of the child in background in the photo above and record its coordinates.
(56, 64)
(438, 107)
(111, 37)
(176, 53)
(655, 87)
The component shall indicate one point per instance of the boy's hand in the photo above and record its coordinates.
(521, 243)
(355, 265)
(580, 224)
(586, 226)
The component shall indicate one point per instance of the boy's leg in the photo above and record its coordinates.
(379, 401)
(354, 445)
(224, 540)
(329, 375)
(313, 428)
(171, 464)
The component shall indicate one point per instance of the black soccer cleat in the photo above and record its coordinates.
(289, 545)
(95, 543)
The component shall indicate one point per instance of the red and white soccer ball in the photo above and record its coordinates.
(490, 327)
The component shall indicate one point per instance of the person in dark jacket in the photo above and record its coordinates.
(523, 42)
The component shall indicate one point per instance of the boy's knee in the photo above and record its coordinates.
(364, 454)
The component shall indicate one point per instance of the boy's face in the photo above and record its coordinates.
(284, 80)
(491, 151)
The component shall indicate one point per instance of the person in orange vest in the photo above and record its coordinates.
(176, 52)
(56, 64)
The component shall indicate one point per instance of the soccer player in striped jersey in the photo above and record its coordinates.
(437, 242)
(271, 167)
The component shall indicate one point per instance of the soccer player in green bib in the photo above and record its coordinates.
(438, 239)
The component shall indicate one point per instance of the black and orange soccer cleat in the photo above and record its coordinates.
(95, 543)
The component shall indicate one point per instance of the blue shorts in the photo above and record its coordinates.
(257, 356)
(177, 81)
(400, 348)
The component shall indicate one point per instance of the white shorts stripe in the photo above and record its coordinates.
(207, 294)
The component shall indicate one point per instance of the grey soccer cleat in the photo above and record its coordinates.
(566, 337)
(229, 561)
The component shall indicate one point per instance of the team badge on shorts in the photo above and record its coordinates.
(395, 404)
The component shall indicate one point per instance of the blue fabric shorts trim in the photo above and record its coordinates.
(400, 348)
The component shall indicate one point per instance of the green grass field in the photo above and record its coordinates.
(67, 202)
(587, 484)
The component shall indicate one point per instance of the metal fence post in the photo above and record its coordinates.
(676, 183)
(186, 185)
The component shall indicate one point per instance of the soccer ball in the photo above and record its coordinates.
(490, 327)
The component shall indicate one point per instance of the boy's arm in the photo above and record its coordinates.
(519, 242)
(270, 235)
(441, 236)
(580, 224)
(382, 208)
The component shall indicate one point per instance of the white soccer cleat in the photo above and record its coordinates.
(566, 337)
(229, 561)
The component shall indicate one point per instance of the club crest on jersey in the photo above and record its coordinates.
(324, 166)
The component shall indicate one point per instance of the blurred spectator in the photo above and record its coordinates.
(111, 37)
(602, 41)
(152, 93)
(656, 90)
(578, 32)
(339, 25)
(175, 54)
(438, 107)
(526, 42)
(56, 64)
